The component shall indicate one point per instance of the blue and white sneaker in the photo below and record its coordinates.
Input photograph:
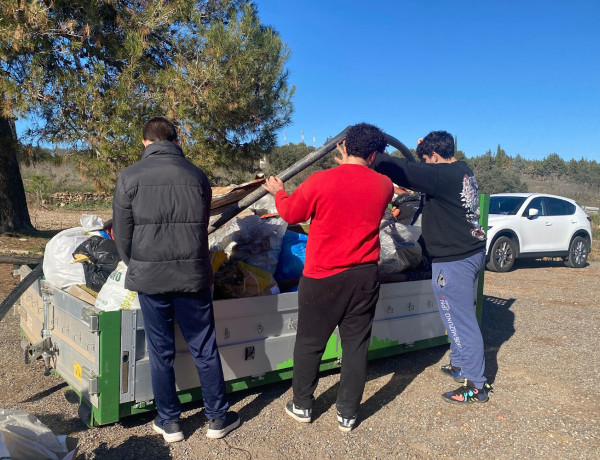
(467, 393)
(219, 427)
(454, 372)
(170, 431)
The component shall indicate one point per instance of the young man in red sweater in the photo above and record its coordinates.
(339, 286)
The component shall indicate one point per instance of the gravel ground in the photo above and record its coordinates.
(541, 328)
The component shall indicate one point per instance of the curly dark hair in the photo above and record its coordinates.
(159, 129)
(363, 139)
(440, 142)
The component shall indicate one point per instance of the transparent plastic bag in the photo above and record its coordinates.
(91, 222)
(400, 251)
(252, 240)
(25, 437)
(266, 205)
(238, 279)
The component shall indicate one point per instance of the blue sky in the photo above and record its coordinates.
(525, 75)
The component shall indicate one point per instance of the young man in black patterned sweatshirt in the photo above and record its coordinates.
(456, 242)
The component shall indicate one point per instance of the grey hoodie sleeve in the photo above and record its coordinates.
(122, 221)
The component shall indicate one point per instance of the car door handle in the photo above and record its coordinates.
(548, 224)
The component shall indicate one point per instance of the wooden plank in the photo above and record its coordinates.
(226, 195)
(82, 294)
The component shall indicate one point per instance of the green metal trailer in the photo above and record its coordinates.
(102, 354)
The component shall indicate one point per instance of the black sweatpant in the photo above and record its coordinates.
(347, 300)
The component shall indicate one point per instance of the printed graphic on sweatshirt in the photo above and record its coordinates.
(470, 199)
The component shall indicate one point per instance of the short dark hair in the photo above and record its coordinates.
(440, 142)
(363, 139)
(159, 129)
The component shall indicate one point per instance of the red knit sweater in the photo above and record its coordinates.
(346, 204)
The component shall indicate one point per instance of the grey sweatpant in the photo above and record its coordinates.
(453, 284)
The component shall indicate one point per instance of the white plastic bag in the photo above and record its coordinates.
(58, 256)
(113, 295)
(91, 222)
(25, 437)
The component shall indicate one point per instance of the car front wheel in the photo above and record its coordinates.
(578, 252)
(502, 255)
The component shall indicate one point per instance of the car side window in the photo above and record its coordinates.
(557, 207)
(538, 203)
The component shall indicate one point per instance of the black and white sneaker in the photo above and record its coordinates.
(297, 413)
(218, 428)
(346, 424)
(169, 431)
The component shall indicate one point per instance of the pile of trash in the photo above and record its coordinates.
(251, 255)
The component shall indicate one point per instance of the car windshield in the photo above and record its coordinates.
(508, 205)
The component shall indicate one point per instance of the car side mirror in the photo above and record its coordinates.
(532, 213)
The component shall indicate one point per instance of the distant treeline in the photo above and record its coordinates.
(500, 172)
(496, 172)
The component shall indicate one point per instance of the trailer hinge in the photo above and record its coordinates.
(93, 385)
(143, 404)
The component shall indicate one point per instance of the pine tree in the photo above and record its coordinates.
(92, 71)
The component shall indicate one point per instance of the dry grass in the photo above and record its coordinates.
(61, 177)
(584, 194)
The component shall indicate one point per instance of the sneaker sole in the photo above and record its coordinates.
(472, 401)
(173, 437)
(214, 434)
(456, 379)
(297, 418)
(345, 429)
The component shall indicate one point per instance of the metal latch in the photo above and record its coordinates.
(93, 323)
(93, 385)
(125, 372)
(249, 353)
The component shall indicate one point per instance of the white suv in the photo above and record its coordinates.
(533, 225)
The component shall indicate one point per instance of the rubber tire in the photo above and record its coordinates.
(508, 248)
(579, 250)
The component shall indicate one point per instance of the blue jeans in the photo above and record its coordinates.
(453, 285)
(194, 315)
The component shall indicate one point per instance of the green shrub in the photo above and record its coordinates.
(91, 205)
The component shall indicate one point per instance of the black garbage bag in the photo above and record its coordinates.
(99, 257)
(406, 208)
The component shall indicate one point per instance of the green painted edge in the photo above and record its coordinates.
(194, 394)
(377, 344)
(333, 350)
(484, 208)
(109, 326)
